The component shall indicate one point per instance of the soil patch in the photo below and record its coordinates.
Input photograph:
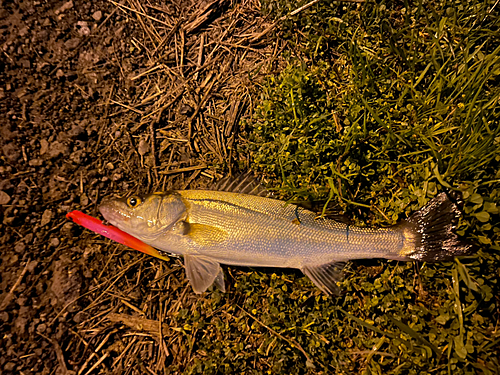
(103, 98)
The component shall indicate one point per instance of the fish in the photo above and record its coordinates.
(209, 228)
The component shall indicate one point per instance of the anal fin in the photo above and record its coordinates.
(219, 281)
(203, 272)
(326, 276)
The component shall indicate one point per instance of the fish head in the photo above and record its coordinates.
(146, 217)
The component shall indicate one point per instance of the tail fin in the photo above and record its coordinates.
(432, 230)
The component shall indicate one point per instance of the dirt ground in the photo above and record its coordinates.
(101, 98)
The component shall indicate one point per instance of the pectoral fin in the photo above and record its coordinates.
(203, 272)
(326, 276)
(205, 235)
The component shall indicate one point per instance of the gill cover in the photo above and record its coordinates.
(145, 217)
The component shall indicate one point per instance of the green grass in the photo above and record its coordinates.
(381, 107)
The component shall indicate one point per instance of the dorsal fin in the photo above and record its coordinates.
(246, 183)
(332, 211)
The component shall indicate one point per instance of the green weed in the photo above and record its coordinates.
(381, 106)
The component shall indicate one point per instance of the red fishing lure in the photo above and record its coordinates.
(113, 233)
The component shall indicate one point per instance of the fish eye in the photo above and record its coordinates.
(134, 201)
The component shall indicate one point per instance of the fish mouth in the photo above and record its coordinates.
(113, 214)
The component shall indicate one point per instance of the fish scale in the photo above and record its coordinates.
(274, 232)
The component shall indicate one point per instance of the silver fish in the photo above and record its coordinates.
(209, 228)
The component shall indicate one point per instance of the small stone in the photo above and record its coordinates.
(4, 316)
(67, 5)
(13, 259)
(84, 200)
(9, 366)
(23, 31)
(97, 15)
(25, 63)
(44, 145)
(72, 309)
(35, 162)
(76, 131)
(149, 160)
(83, 28)
(80, 317)
(66, 229)
(87, 273)
(56, 149)
(110, 166)
(143, 147)
(54, 242)
(20, 247)
(41, 328)
(72, 43)
(46, 217)
(4, 197)
(11, 152)
(59, 73)
(32, 265)
(8, 220)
